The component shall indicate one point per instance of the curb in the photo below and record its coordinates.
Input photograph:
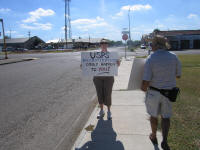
(7, 61)
(83, 132)
(77, 127)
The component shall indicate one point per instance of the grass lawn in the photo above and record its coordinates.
(185, 124)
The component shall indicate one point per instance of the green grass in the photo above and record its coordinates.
(185, 124)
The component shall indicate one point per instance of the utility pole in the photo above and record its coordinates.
(4, 40)
(66, 23)
(29, 34)
(69, 20)
(68, 32)
(10, 33)
(129, 24)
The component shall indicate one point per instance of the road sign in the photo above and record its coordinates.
(125, 37)
(125, 32)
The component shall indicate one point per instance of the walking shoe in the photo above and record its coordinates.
(165, 146)
(101, 114)
(109, 115)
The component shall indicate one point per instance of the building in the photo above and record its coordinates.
(76, 43)
(180, 39)
(22, 43)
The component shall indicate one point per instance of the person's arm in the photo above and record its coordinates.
(145, 85)
(118, 62)
(147, 75)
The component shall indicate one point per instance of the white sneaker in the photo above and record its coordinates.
(101, 114)
(109, 115)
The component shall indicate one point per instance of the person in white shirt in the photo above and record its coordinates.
(160, 72)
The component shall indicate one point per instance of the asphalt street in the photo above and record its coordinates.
(46, 101)
(40, 101)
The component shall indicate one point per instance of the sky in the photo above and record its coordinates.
(97, 18)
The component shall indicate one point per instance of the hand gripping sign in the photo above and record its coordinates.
(99, 63)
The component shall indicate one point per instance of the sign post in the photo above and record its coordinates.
(125, 37)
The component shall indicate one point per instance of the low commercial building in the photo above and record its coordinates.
(22, 43)
(180, 39)
(75, 43)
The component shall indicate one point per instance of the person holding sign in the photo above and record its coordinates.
(103, 85)
(160, 73)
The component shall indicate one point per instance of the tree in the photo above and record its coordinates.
(156, 30)
(7, 37)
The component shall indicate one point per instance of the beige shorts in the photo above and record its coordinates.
(157, 104)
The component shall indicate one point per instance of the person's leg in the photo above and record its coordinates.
(108, 85)
(99, 89)
(166, 113)
(165, 125)
(154, 126)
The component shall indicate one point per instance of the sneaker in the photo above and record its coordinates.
(109, 115)
(165, 146)
(101, 114)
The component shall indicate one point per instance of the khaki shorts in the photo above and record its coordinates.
(157, 104)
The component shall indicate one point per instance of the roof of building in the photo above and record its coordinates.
(15, 40)
(91, 40)
(178, 32)
(88, 40)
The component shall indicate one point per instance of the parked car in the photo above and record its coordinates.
(143, 46)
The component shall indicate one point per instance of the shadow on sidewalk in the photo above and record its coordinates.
(103, 138)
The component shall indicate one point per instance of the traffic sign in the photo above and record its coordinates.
(125, 37)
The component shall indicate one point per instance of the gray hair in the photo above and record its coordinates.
(161, 42)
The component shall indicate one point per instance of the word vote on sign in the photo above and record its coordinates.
(99, 63)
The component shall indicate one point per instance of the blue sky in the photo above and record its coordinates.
(97, 18)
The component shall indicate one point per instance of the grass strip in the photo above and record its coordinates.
(185, 123)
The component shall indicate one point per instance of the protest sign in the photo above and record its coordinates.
(99, 63)
(135, 80)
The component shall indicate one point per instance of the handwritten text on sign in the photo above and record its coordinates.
(99, 63)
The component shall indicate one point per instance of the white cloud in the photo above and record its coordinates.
(86, 24)
(12, 32)
(37, 26)
(54, 41)
(192, 16)
(4, 10)
(37, 14)
(133, 8)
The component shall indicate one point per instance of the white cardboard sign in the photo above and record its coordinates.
(99, 63)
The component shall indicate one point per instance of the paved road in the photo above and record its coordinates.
(40, 101)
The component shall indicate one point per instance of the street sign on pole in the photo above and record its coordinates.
(125, 37)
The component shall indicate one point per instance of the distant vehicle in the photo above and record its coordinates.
(143, 46)
(10, 49)
(22, 49)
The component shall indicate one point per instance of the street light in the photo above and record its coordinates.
(4, 40)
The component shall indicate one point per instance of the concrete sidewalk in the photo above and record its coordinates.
(14, 60)
(129, 128)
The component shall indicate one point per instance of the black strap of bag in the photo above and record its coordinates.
(171, 94)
